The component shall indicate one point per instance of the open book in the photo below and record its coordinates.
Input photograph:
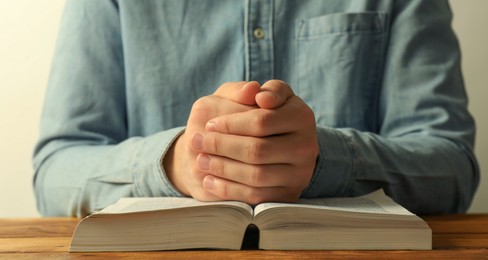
(373, 221)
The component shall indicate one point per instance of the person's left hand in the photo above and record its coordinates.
(264, 154)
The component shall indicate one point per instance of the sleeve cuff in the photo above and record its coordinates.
(149, 176)
(333, 174)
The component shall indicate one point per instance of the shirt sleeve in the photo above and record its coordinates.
(422, 154)
(84, 159)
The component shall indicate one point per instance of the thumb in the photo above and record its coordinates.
(240, 92)
(274, 93)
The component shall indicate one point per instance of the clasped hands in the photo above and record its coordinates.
(245, 142)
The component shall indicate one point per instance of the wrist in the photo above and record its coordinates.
(172, 165)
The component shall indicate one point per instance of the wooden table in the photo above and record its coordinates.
(454, 237)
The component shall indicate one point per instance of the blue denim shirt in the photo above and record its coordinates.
(382, 77)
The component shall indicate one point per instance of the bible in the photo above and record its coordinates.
(370, 222)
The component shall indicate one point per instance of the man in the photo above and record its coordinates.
(370, 95)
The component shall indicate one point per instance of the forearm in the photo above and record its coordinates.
(424, 173)
(76, 178)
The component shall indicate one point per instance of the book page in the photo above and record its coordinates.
(375, 202)
(387, 203)
(130, 205)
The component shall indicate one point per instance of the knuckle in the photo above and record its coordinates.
(227, 87)
(211, 144)
(218, 168)
(254, 197)
(221, 190)
(224, 191)
(200, 104)
(261, 121)
(257, 176)
(254, 151)
(225, 126)
(222, 88)
(202, 107)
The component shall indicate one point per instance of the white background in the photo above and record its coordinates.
(28, 31)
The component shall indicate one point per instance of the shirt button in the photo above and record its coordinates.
(258, 33)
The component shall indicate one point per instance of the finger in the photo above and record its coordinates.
(229, 190)
(257, 122)
(201, 194)
(274, 93)
(267, 175)
(265, 122)
(196, 190)
(242, 92)
(208, 107)
(270, 150)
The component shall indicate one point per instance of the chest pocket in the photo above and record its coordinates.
(338, 67)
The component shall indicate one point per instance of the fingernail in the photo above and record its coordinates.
(208, 182)
(204, 162)
(273, 95)
(197, 142)
(211, 126)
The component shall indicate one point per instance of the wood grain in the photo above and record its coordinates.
(260, 254)
(459, 231)
(459, 223)
(37, 227)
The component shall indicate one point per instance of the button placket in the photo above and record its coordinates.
(259, 29)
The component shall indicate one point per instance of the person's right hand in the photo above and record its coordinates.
(180, 161)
